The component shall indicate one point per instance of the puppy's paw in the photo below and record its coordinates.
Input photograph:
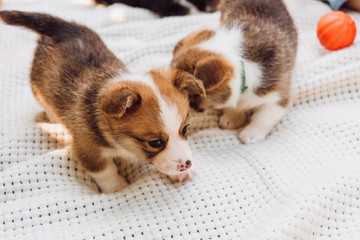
(252, 134)
(228, 123)
(117, 184)
(183, 176)
(231, 120)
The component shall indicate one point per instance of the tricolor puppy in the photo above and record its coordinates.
(169, 7)
(109, 111)
(245, 65)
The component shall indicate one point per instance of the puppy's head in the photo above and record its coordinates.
(212, 68)
(148, 117)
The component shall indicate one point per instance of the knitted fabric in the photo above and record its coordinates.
(302, 182)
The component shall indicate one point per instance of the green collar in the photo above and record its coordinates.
(243, 78)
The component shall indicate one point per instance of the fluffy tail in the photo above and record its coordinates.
(41, 23)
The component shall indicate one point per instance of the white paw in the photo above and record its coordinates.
(117, 184)
(230, 122)
(183, 176)
(252, 134)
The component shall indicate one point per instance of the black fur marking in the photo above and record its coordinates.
(161, 7)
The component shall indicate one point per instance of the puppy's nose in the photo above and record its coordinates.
(185, 166)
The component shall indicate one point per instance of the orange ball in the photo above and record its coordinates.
(336, 30)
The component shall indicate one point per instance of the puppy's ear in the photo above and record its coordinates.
(193, 39)
(213, 71)
(188, 84)
(178, 46)
(119, 99)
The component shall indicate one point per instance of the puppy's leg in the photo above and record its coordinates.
(53, 118)
(50, 113)
(261, 123)
(232, 118)
(108, 179)
(103, 171)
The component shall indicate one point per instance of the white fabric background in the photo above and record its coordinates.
(301, 183)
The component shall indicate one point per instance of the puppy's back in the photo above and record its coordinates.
(70, 66)
(237, 11)
(270, 38)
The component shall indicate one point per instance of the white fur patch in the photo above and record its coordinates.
(262, 122)
(253, 75)
(226, 41)
(250, 100)
(108, 179)
(81, 43)
(177, 150)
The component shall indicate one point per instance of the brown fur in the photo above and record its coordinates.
(193, 39)
(212, 68)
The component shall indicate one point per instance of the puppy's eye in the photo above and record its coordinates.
(184, 131)
(157, 143)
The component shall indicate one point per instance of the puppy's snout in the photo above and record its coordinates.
(185, 165)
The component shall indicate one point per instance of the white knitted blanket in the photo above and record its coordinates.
(302, 182)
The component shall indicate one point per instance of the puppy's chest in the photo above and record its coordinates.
(248, 77)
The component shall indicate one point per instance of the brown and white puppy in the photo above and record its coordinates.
(245, 65)
(169, 7)
(110, 112)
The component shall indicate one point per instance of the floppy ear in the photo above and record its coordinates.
(117, 100)
(178, 46)
(188, 84)
(213, 71)
(193, 39)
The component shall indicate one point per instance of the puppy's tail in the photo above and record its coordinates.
(41, 23)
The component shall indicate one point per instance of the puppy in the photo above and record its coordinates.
(245, 65)
(110, 112)
(168, 7)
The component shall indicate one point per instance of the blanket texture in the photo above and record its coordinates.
(302, 182)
